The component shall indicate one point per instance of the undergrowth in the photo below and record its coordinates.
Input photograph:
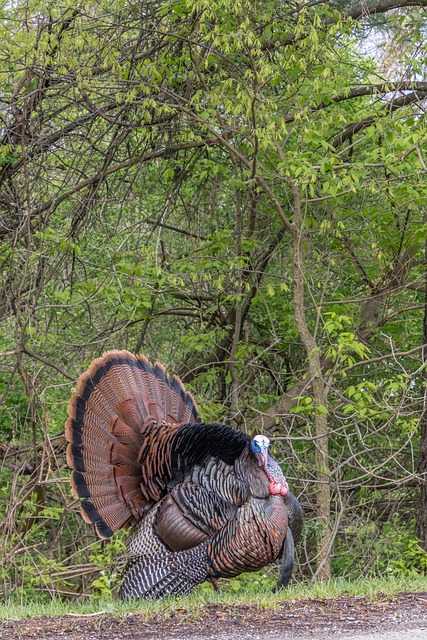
(193, 604)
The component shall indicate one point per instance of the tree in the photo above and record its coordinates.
(238, 191)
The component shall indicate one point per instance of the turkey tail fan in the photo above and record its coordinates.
(121, 400)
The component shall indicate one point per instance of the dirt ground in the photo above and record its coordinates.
(304, 619)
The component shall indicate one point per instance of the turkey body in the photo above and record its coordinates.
(201, 501)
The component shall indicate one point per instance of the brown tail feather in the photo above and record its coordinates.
(111, 425)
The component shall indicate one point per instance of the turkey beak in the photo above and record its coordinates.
(262, 457)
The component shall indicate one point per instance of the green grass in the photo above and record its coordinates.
(194, 603)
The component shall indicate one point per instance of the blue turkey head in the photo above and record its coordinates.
(278, 484)
(260, 445)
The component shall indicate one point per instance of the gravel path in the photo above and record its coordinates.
(407, 633)
(401, 617)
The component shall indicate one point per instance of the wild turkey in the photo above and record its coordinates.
(204, 500)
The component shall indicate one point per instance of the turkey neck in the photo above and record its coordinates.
(248, 470)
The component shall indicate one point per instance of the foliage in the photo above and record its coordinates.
(238, 191)
(380, 549)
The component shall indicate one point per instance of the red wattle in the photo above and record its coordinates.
(277, 489)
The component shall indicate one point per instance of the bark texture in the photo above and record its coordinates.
(321, 441)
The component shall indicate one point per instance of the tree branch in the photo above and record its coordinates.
(166, 152)
(357, 12)
(371, 317)
(375, 6)
(388, 109)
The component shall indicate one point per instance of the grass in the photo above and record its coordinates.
(194, 603)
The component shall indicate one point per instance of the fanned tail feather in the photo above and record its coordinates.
(117, 403)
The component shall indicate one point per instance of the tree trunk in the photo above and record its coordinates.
(421, 513)
(321, 442)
